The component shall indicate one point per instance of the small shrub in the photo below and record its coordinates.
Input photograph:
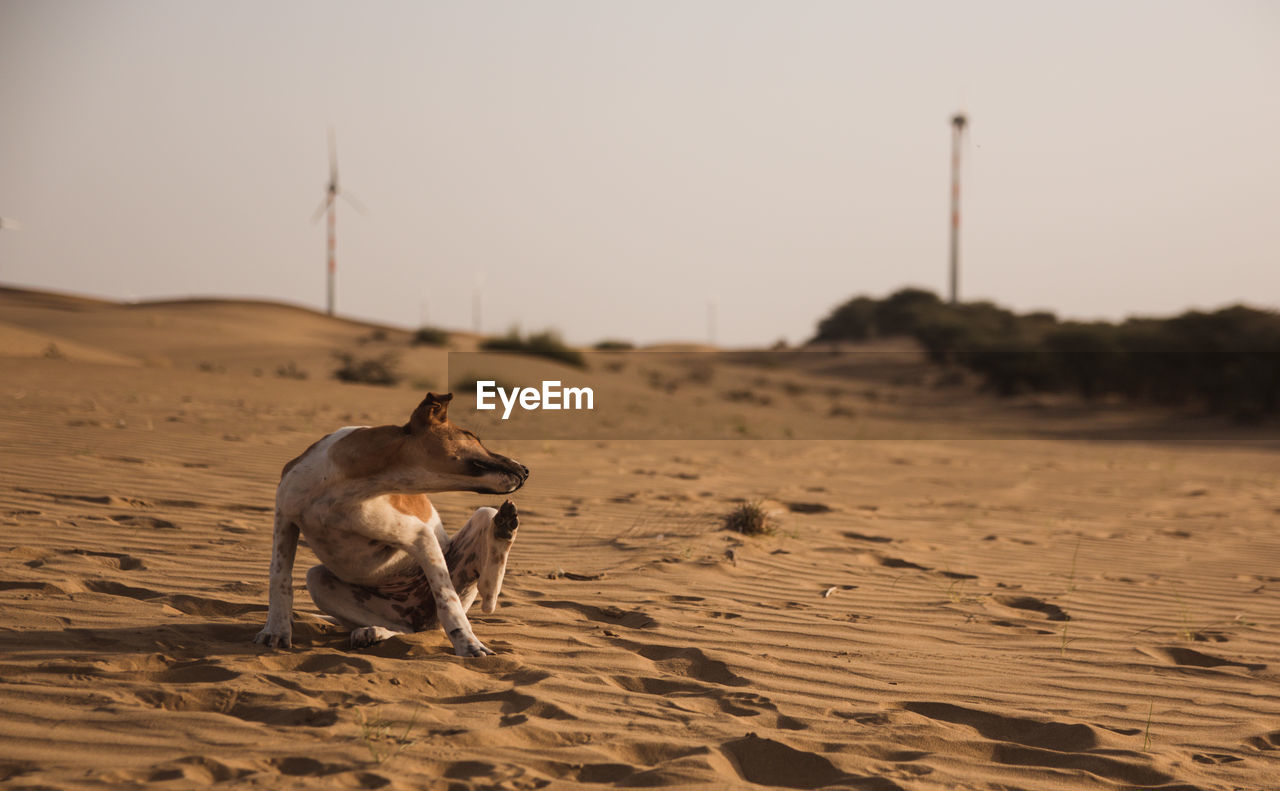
(610, 345)
(290, 370)
(466, 383)
(699, 371)
(430, 336)
(380, 370)
(542, 344)
(750, 519)
(746, 396)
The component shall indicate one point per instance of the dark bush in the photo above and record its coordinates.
(863, 318)
(610, 345)
(381, 370)
(1226, 362)
(855, 320)
(430, 336)
(542, 344)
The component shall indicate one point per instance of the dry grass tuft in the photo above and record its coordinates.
(751, 519)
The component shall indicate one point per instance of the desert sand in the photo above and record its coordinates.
(937, 609)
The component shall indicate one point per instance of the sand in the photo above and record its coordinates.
(984, 613)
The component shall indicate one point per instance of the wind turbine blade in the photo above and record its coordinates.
(10, 224)
(355, 202)
(324, 204)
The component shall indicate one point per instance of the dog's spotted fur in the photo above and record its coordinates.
(387, 565)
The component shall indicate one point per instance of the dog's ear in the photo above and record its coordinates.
(433, 409)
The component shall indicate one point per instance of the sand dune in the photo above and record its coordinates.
(931, 614)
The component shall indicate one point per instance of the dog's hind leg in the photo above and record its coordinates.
(476, 559)
(477, 555)
(370, 617)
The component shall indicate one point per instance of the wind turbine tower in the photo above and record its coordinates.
(330, 204)
(958, 122)
(9, 224)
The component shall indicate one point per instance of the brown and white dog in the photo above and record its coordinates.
(387, 565)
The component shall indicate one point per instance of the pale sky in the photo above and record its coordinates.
(608, 168)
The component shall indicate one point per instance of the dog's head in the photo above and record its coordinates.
(453, 457)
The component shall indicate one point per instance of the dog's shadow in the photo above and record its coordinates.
(207, 651)
(158, 651)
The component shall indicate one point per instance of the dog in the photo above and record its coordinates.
(387, 566)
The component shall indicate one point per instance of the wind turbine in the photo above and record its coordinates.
(958, 123)
(330, 205)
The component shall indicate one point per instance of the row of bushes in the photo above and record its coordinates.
(384, 369)
(546, 344)
(1226, 361)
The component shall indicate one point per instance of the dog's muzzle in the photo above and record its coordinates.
(505, 466)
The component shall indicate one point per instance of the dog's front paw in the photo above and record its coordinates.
(465, 644)
(275, 638)
(473, 648)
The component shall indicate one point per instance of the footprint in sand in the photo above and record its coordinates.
(122, 561)
(744, 704)
(1011, 625)
(197, 768)
(686, 662)
(1185, 657)
(772, 763)
(271, 713)
(113, 588)
(249, 509)
(860, 537)
(809, 508)
(30, 585)
(184, 603)
(615, 616)
(96, 499)
(663, 687)
(199, 605)
(749, 704)
(340, 664)
(135, 520)
(1215, 758)
(198, 672)
(1031, 603)
(305, 766)
(315, 662)
(1267, 741)
(1019, 730)
(898, 563)
(1023, 741)
(513, 704)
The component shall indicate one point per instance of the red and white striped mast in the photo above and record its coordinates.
(330, 205)
(958, 122)
(333, 242)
